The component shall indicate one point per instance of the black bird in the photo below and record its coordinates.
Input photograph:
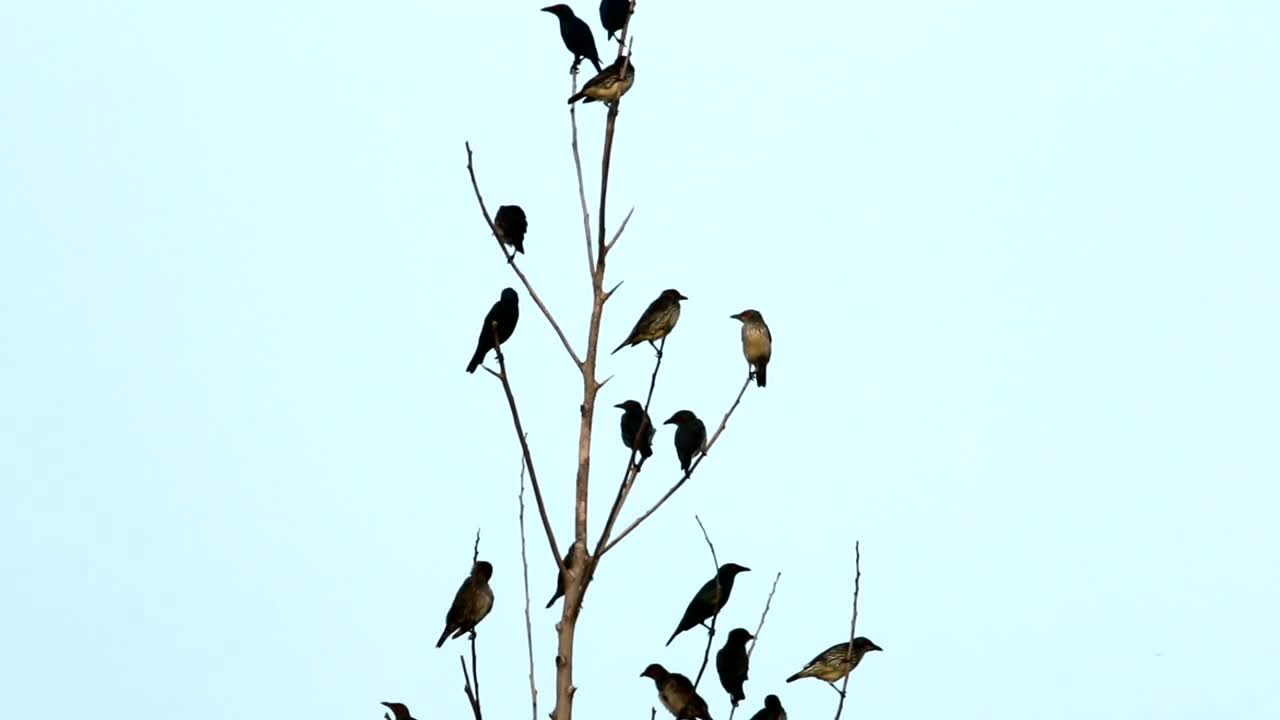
(399, 710)
(471, 604)
(710, 598)
(609, 84)
(677, 694)
(613, 15)
(568, 563)
(511, 225)
(691, 436)
(633, 417)
(504, 313)
(772, 710)
(576, 35)
(836, 661)
(731, 664)
(658, 320)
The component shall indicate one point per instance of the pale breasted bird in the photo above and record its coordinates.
(731, 664)
(471, 604)
(772, 710)
(710, 598)
(657, 321)
(569, 559)
(757, 342)
(677, 694)
(510, 225)
(633, 417)
(691, 436)
(576, 35)
(613, 15)
(399, 710)
(609, 84)
(836, 661)
(504, 314)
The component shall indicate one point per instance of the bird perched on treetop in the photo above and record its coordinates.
(576, 35)
(757, 342)
(633, 418)
(710, 598)
(609, 84)
(568, 563)
(658, 320)
(677, 694)
(836, 661)
(772, 710)
(613, 15)
(504, 314)
(399, 710)
(510, 224)
(731, 664)
(691, 436)
(472, 602)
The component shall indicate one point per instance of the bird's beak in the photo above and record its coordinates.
(876, 647)
(547, 8)
(619, 406)
(681, 296)
(743, 569)
(736, 316)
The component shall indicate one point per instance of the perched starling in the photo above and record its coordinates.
(691, 436)
(609, 84)
(505, 313)
(772, 710)
(677, 694)
(511, 225)
(633, 418)
(836, 661)
(731, 664)
(658, 320)
(399, 710)
(576, 35)
(568, 563)
(613, 15)
(710, 598)
(473, 601)
(757, 342)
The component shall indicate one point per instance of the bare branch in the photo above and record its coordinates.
(582, 187)
(618, 234)
(755, 637)
(615, 287)
(528, 616)
(473, 695)
(853, 622)
(711, 631)
(475, 552)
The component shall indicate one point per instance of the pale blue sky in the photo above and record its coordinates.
(1019, 260)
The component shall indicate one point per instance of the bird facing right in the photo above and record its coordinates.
(399, 710)
(691, 437)
(576, 35)
(732, 664)
(757, 342)
(836, 661)
(609, 84)
(471, 604)
(633, 418)
(772, 710)
(504, 314)
(711, 597)
(677, 694)
(657, 321)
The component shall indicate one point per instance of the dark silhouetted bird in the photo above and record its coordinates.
(757, 342)
(473, 601)
(609, 84)
(710, 598)
(691, 436)
(836, 661)
(658, 320)
(399, 710)
(677, 694)
(613, 15)
(772, 710)
(504, 313)
(633, 417)
(576, 35)
(511, 225)
(568, 563)
(731, 664)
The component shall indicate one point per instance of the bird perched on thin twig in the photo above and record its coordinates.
(710, 598)
(677, 694)
(609, 84)
(633, 418)
(757, 342)
(504, 314)
(836, 661)
(399, 710)
(613, 16)
(568, 563)
(772, 710)
(657, 321)
(731, 664)
(691, 436)
(471, 604)
(576, 35)
(510, 224)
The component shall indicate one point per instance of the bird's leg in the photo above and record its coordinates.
(472, 636)
(573, 69)
(833, 687)
(656, 350)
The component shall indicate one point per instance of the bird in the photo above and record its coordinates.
(836, 661)
(677, 694)
(576, 35)
(613, 15)
(691, 436)
(471, 604)
(757, 342)
(609, 84)
(510, 224)
(772, 710)
(399, 710)
(568, 563)
(633, 418)
(504, 314)
(731, 664)
(658, 320)
(710, 598)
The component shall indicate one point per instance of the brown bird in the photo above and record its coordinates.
(772, 710)
(658, 320)
(691, 436)
(510, 225)
(471, 604)
(710, 598)
(609, 84)
(677, 694)
(757, 342)
(836, 661)
(568, 563)
(400, 710)
(731, 664)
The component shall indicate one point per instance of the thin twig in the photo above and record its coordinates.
(582, 187)
(853, 622)
(475, 552)
(755, 637)
(528, 615)
(711, 631)
(609, 245)
(472, 698)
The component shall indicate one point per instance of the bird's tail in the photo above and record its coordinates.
(443, 636)
(576, 97)
(553, 600)
(797, 676)
(596, 63)
(673, 637)
(624, 344)
(760, 375)
(476, 359)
